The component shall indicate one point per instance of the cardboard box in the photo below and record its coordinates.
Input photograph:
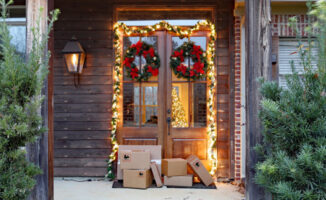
(156, 175)
(174, 167)
(200, 170)
(135, 159)
(137, 178)
(155, 151)
(185, 181)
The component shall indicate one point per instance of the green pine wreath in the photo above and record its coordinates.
(198, 56)
(152, 61)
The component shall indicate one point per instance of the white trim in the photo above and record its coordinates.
(243, 97)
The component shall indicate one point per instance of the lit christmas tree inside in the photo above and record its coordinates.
(178, 112)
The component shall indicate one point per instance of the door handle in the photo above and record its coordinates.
(168, 120)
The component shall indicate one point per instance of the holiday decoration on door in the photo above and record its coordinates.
(151, 57)
(178, 112)
(121, 29)
(198, 57)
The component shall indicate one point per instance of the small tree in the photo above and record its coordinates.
(21, 82)
(294, 124)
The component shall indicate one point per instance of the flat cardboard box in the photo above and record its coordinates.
(135, 159)
(185, 181)
(155, 151)
(137, 178)
(174, 167)
(200, 170)
(156, 174)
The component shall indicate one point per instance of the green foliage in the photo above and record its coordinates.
(294, 127)
(21, 83)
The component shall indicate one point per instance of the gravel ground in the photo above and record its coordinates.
(81, 189)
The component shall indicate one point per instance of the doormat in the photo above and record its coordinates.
(119, 184)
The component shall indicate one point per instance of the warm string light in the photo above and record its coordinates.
(121, 29)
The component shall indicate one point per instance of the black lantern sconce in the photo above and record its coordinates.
(75, 58)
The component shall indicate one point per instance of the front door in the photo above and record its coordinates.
(165, 110)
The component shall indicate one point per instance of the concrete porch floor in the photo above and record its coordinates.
(81, 189)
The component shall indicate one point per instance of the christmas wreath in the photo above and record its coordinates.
(196, 53)
(151, 57)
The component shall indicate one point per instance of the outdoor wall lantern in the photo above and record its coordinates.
(75, 58)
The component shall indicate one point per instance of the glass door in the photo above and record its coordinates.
(186, 107)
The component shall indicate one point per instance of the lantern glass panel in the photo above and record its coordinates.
(75, 62)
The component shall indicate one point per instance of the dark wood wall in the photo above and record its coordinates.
(82, 115)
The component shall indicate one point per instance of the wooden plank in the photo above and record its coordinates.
(85, 144)
(72, 99)
(83, 108)
(84, 80)
(81, 126)
(83, 35)
(37, 152)
(50, 111)
(80, 171)
(258, 64)
(83, 89)
(275, 67)
(80, 162)
(82, 153)
(81, 135)
(82, 117)
(102, 70)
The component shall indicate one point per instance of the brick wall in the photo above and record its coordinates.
(281, 28)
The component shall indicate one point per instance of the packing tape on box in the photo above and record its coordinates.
(156, 161)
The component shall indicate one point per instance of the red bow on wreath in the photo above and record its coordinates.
(154, 72)
(182, 68)
(196, 51)
(198, 66)
(179, 54)
(151, 52)
(138, 46)
(128, 61)
(134, 72)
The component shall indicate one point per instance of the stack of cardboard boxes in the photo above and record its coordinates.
(137, 165)
(175, 172)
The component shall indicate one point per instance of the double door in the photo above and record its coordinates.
(165, 110)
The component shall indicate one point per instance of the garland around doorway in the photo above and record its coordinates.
(121, 29)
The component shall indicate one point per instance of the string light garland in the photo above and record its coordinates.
(121, 29)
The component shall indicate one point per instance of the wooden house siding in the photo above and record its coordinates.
(82, 115)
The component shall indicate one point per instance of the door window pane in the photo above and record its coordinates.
(180, 105)
(199, 105)
(149, 104)
(131, 104)
(176, 42)
(151, 41)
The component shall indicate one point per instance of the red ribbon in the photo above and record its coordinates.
(128, 61)
(179, 54)
(198, 66)
(182, 68)
(134, 72)
(154, 72)
(151, 52)
(138, 46)
(196, 51)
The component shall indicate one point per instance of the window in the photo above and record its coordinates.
(189, 107)
(288, 51)
(140, 98)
